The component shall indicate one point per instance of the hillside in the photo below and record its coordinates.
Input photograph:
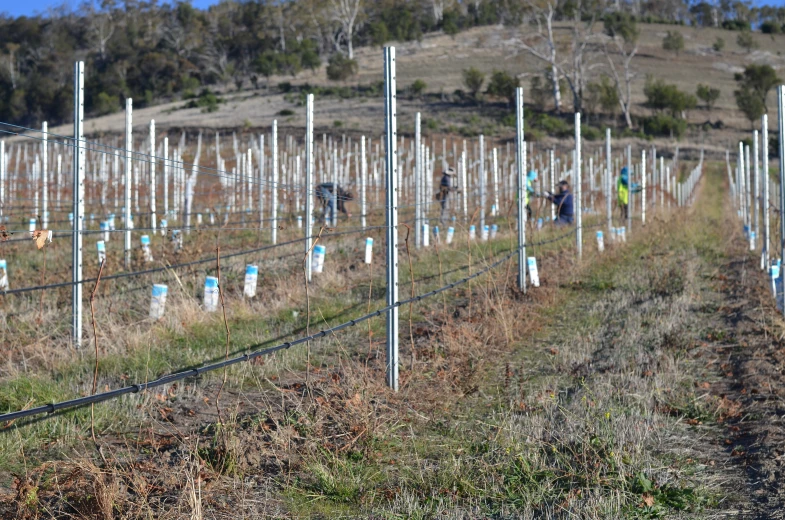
(439, 60)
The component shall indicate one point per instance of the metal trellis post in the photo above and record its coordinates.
(643, 187)
(274, 145)
(153, 219)
(391, 163)
(418, 174)
(129, 107)
(608, 179)
(766, 221)
(781, 139)
(79, 171)
(578, 188)
(307, 226)
(520, 164)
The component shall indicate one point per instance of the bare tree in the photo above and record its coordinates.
(102, 28)
(438, 10)
(345, 12)
(582, 38)
(543, 45)
(215, 60)
(101, 24)
(574, 66)
(622, 32)
(11, 63)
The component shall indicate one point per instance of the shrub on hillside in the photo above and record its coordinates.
(746, 41)
(664, 126)
(553, 126)
(473, 80)
(503, 85)
(341, 68)
(673, 42)
(708, 95)
(418, 88)
(590, 133)
(663, 97)
(736, 25)
(106, 104)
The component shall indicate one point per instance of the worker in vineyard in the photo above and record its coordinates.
(445, 187)
(531, 178)
(623, 190)
(563, 202)
(324, 194)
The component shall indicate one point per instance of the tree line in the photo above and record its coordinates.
(159, 52)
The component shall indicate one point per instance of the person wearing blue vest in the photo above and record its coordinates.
(531, 177)
(623, 190)
(563, 202)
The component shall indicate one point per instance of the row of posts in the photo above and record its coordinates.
(391, 199)
(750, 185)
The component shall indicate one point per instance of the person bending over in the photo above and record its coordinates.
(563, 203)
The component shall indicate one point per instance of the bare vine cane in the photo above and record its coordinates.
(469, 247)
(228, 334)
(308, 309)
(411, 279)
(512, 246)
(368, 311)
(95, 342)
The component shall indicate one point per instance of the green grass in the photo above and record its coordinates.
(203, 341)
(485, 456)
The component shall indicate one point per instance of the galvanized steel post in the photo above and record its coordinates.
(578, 188)
(756, 184)
(643, 187)
(364, 180)
(520, 164)
(766, 221)
(418, 174)
(274, 202)
(608, 179)
(153, 220)
(481, 173)
(2, 177)
(307, 226)
(629, 191)
(391, 163)
(781, 139)
(129, 142)
(78, 223)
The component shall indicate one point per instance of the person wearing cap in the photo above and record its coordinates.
(623, 189)
(563, 202)
(445, 187)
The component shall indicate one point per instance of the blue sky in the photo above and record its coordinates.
(32, 7)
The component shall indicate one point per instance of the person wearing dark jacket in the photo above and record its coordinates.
(324, 194)
(445, 187)
(563, 202)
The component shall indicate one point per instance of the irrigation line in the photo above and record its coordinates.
(177, 266)
(194, 372)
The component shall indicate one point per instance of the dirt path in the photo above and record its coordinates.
(743, 349)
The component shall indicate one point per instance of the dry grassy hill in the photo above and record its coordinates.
(439, 61)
